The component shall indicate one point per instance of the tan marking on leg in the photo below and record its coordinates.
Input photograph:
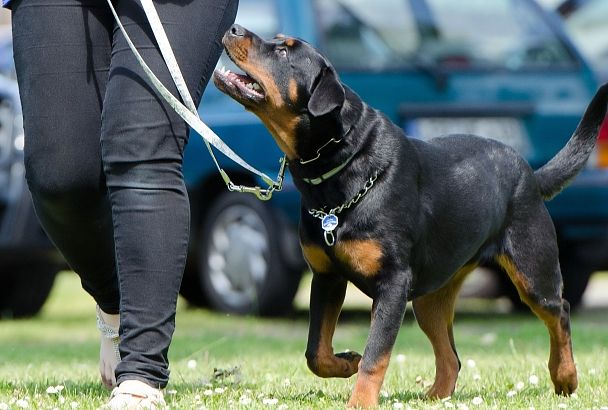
(435, 315)
(367, 387)
(561, 361)
(290, 42)
(316, 258)
(326, 363)
(519, 279)
(363, 256)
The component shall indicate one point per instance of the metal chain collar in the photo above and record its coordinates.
(329, 219)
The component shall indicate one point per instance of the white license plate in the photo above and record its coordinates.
(507, 130)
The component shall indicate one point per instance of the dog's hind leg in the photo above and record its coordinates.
(530, 259)
(435, 315)
(326, 298)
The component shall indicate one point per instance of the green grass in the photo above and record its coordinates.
(499, 353)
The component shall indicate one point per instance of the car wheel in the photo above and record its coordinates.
(25, 289)
(241, 260)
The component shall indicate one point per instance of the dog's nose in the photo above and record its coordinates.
(237, 30)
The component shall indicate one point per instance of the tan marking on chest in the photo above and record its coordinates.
(363, 256)
(316, 258)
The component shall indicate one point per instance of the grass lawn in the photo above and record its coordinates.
(261, 361)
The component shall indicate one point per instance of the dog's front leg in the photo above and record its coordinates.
(326, 298)
(387, 315)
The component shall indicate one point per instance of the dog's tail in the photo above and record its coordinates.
(568, 162)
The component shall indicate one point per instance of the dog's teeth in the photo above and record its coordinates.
(256, 86)
(249, 85)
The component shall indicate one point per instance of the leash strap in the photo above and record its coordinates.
(189, 112)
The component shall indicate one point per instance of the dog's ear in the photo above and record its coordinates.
(327, 93)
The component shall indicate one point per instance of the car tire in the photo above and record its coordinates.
(26, 288)
(242, 262)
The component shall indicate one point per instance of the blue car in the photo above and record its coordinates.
(503, 69)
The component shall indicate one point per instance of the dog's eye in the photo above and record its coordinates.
(281, 51)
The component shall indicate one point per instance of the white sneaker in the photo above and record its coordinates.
(109, 355)
(135, 395)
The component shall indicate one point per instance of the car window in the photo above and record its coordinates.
(364, 34)
(386, 34)
(589, 30)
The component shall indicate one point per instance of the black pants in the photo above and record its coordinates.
(103, 153)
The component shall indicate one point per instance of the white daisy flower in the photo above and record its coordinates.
(471, 363)
(270, 401)
(51, 390)
(398, 405)
(477, 400)
(245, 400)
(520, 385)
(191, 364)
(208, 392)
(23, 404)
(533, 379)
(400, 358)
(511, 393)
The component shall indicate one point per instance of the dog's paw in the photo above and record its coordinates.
(566, 385)
(349, 361)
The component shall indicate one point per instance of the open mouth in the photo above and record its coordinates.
(241, 87)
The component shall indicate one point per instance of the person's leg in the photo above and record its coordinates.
(142, 147)
(62, 55)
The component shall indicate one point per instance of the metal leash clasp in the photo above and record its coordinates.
(263, 194)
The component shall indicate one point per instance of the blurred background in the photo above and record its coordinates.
(518, 71)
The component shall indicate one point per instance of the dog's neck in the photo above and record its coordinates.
(331, 157)
(326, 145)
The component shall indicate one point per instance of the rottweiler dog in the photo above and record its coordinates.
(404, 219)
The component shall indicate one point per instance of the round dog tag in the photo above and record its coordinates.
(329, 222)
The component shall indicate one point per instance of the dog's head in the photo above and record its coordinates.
(286, 82)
